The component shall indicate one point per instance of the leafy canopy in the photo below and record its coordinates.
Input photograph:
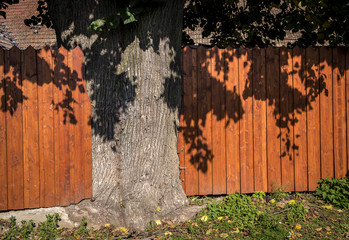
(236, 22)
(129, 12)
(251, 23)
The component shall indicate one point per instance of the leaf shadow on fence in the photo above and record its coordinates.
(287, 82)
(48, 70)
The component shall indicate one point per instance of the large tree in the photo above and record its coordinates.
(132, 53)
(133, 81)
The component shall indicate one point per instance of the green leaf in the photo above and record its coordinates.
(112, 21)
(127, 16)
(97, 25)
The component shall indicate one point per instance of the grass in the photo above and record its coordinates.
(237, 216)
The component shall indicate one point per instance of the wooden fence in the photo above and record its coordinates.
(256, 119)
(45, 132)
(252, 119)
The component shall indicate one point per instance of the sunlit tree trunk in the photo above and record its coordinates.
(134, 83)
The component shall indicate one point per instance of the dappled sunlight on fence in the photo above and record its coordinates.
(254, 119)
(45, 129)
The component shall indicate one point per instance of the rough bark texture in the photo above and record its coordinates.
(134, 84)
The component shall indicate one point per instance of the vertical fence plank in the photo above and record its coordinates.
(273, 107)
(300, 118)
(313, 117)
(181, 140)
(347, 101)
(246, 126)
(14, 128)
(57, 88)
(218, 121)
(78, 157)
(326, 113)
(3, 151)
(233, 102)
(181, 147)
(340, 153)
(259, 121)
(74, 133)
(86, 163)
(30, 131)
(286, 119)
(63, 104)
(194, 171)
(191, 184)
(204, 121)
(45, 100)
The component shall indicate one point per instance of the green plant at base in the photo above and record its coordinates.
(82, 230)
(269, 227)
(296, 212)
(49, 228)
(27, 229)
(259, 194)
(278, 192)
(13, 232)
(239, 208)
(335, 191)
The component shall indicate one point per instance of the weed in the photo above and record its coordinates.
(49, 228)
(198, 200)
(269, 227)
(259, 195)
(296, 211)
(335, 191)
(26, 230)
(237, 207)
(82, 230)
(13, 231)
(278, 192)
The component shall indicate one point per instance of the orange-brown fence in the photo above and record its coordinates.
(252, 120)
(256, 119)
(45, 132)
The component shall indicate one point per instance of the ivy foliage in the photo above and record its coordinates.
(335, 191)
(250, 23)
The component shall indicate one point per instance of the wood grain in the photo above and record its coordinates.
(300, 119)
(30, 130)
(246, 126)
(191, 180)
(339, 111)
(14, 123)
(233, 106)
(273, 108)
(46, 141)
(326, 113)
(259, 121)
(313, 117)
(3, 138)
(63, 105)
(204, 121)
(218, 122)
(286, 119)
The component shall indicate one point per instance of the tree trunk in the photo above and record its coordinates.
(134, 84)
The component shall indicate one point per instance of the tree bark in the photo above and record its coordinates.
(134, 84)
